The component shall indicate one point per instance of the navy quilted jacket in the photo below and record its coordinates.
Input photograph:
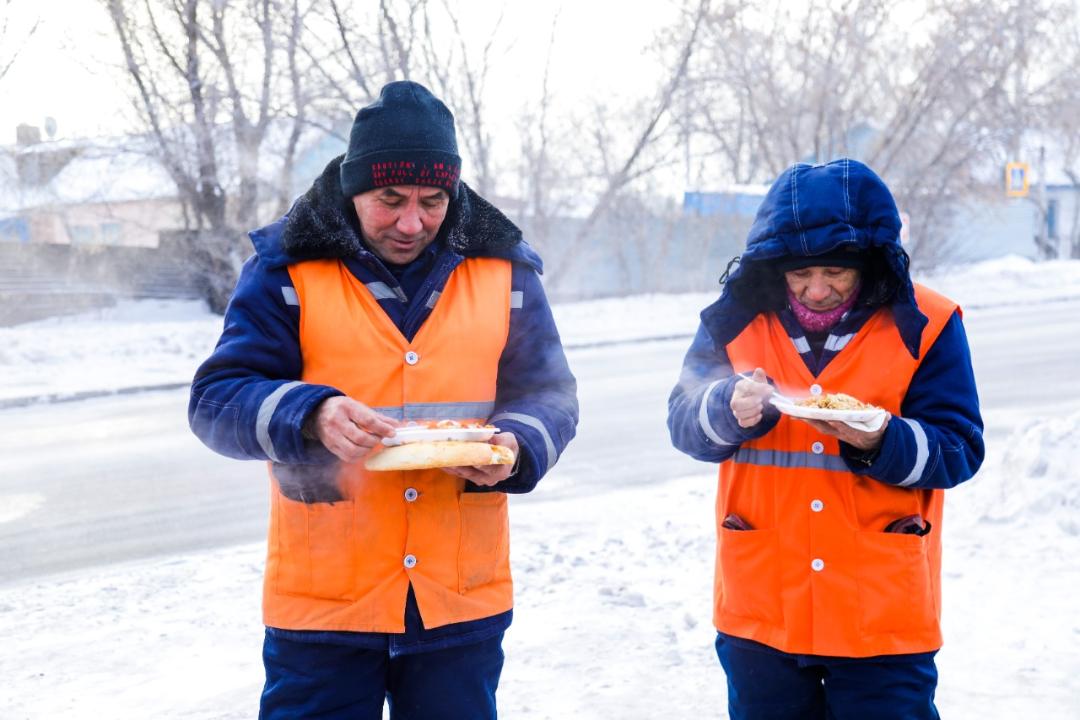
(235, 407)
(810, 210)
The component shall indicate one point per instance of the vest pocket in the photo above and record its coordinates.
(485, 539)
(750, 574)
(316, 549)
(895, 589)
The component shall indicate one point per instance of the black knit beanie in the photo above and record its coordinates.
(842, 256)
(406, 137)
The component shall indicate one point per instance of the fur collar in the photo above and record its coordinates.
(317, 226)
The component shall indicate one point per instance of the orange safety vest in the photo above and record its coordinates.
(347, 565)
(817, 574)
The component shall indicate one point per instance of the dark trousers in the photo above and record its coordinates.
(332, 682)
(766, 684)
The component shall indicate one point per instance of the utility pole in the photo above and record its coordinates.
(1040, 202)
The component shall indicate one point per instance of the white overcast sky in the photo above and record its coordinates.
(67, 69)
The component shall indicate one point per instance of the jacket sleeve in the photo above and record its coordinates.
(937, 441)
(536, 394)
(247, 401)
(699, 409)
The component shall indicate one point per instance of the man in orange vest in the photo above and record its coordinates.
(390, 292)
(827, 597)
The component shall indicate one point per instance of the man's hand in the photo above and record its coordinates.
(857, 438)
(347, 428)
(488, 475)
(748, 399)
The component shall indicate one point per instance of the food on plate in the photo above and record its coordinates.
(835, 401)
(439, 453)
(440, 431)
(454, 425)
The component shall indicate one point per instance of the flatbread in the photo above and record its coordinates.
(439, 453)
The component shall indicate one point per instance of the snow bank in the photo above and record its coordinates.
(1007, 280)
(132, 344)
(162, 342)
(630, 318)
(1033, 484)
(1011, 619)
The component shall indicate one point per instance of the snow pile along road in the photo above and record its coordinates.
(161, 342)
(1011, 619)
(1035, 485)
(133, 344)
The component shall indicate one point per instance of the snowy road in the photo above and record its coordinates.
(101, 481)
(1026, 359)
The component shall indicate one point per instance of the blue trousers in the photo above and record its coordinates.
(766, 684)
(335, 682)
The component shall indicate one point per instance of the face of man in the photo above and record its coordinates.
(398, 222)
(822, 288)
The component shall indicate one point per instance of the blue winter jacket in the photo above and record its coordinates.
(242, 404)
(236, 407)
(811, 210)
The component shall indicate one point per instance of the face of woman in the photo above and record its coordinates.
(822, 288)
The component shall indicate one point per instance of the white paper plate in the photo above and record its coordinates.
(420, 433)
(868, 420)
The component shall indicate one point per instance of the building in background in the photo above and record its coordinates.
(980, 229)
(85, 222)
(101, 192)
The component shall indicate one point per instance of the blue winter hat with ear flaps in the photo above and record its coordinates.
(814, 210)
(406, 137)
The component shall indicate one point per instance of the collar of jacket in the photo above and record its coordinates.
(316, 228)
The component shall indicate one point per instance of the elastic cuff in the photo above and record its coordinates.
(888, 465)
(297, 447)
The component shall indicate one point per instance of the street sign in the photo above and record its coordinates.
(1016, 179)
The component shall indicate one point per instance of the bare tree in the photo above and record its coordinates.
(297, 100)
(10, 48)
(207, 81)
(653, 146)
(410, 40)
(536, 167)
(632, 166)
(461, 76)
(1045, 108)
(927, 107)
(963, 110)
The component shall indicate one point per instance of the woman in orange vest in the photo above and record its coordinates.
(827, 594)
(390, 292)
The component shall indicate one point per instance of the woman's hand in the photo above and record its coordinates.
(748, 398)
(856, 438)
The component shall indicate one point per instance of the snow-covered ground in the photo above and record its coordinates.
(613, 588)
(150, 343)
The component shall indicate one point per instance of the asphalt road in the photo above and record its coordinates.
(107, 480)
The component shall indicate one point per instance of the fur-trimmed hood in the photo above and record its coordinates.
(317, 227)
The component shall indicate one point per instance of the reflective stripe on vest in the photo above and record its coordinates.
(817, 574)
(439, 411)
(348, 564)
(782, 459)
